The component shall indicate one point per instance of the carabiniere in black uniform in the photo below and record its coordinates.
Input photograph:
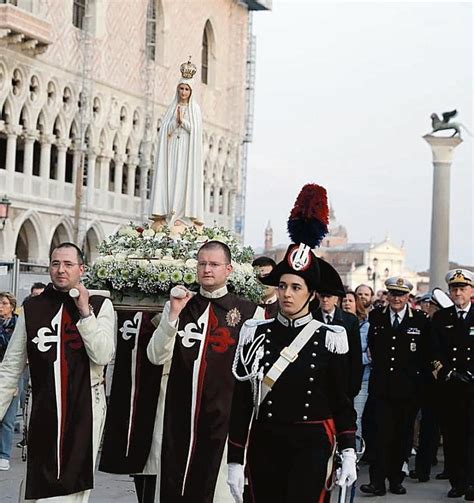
(293, 434)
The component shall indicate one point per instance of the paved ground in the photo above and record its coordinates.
(119, 488)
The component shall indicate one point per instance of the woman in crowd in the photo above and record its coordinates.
(7, 325)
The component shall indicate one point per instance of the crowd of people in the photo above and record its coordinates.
(313, 366)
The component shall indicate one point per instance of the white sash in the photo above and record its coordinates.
(287, 355)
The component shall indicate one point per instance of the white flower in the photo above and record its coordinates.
(191, 263)
(159, 236)
(148, 233)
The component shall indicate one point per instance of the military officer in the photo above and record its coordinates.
(453, 333)
(398, 343)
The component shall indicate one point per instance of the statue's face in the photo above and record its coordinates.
(184, 92)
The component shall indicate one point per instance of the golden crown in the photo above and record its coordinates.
(188, 69)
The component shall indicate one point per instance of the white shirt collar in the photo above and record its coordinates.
(463, 309)
(401, 315)
(271, 300)
(216, 294)
(331, 314)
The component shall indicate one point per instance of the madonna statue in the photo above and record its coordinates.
(177, 193)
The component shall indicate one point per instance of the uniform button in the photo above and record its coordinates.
(306, 404)
(267, 364)
(468, 358)
(269, 414)
(313, 354)
(311, 379)
(393, 337)
(267, 341)
(268, 330)
(308, 392)
(455, 349)
(305, 418)
(454, 368)
(469, 349)
(392, 358)
(267, 352)
(315, 343)
(393, 348)
(312, 365)
(454, 359)
(391, 369)
(269, 402)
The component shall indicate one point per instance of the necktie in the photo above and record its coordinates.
(328, 319)
(461, 314)
(396, 321)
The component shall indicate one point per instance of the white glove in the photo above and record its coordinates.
(348, 471)
(236, 481)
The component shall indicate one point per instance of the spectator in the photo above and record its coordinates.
(7, 425)
(366, 295)
(349, 302)
(36, 289)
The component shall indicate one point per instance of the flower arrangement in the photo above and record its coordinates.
(138, 261)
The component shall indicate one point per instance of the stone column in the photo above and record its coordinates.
(119, 162)
(132, 168)
(207, 196)
(45, 162)
(91, 167)
(10, 159)
(62, 146)
(30, 137)
(143, 190)
(442, 149)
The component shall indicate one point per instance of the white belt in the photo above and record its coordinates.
(288, 355)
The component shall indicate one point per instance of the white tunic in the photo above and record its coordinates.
(98, 336)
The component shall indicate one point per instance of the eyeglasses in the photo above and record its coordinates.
(211, 265)
(56, 264)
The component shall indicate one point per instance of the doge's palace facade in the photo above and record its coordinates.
(83, 84)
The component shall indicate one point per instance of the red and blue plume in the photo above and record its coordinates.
(309, 218)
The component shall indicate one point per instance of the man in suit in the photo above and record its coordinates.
(328, 312)
(398, 343)
(263, 267)
(453, 335)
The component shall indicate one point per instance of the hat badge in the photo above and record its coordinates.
(400, 282)
(300, 257)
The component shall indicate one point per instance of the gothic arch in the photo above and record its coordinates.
(208, 54)
(29, 239)
(93, 237)
(61, 234)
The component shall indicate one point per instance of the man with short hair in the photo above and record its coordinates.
(328, 312)
(398, 343)
(263, 267)
(67, 341)
(196, 342)
(365, 295)
(453, 335)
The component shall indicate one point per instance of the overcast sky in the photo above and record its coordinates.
(344, 94)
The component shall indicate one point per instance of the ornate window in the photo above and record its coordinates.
(78, 13)
(208, 53)
(151, 30)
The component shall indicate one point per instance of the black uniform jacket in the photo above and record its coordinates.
(400, 356)
(454, 341)
(353, 365)
(310, 390)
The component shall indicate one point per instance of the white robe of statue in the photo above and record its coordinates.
(177, 192)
